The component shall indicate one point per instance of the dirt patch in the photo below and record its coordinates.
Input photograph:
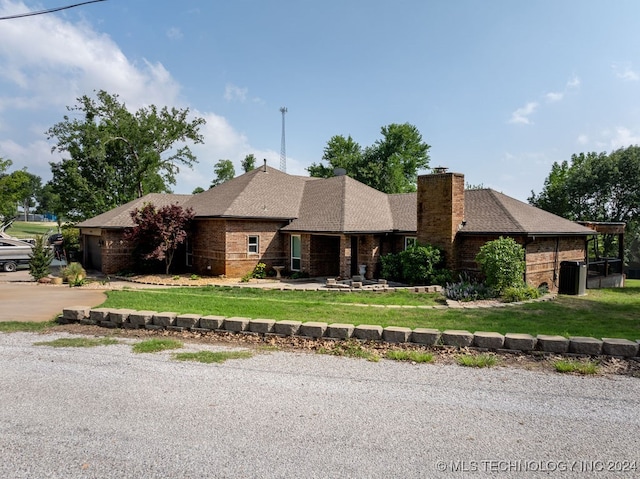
(442, 355)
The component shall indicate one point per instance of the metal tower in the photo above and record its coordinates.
(283, 149)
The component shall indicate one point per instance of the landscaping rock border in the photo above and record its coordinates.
(514, 342)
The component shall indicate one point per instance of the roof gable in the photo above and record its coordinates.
(120, 217)
(342, 204)
(261, 193)
(487, 211)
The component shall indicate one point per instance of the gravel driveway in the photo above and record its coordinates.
(108, 413)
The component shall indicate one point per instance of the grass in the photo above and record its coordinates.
(349, 349)
(477, 360)
(576, 366)
(611, 312)
(24, 229)
(25, 327)
(78, 342)
(415, 356)
(156, 345)
(209, 357)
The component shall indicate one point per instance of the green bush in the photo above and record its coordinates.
(502, 263)
(519, 293)
(40, 259)
(71, 237)
(391, 267)
(419, 264)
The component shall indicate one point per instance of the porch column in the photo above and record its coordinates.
(345, 256)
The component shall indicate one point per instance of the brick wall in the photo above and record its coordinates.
(542, 263)
(209, 248)
(324, 255)
(116, 252)
(440, 211)
(221, 246)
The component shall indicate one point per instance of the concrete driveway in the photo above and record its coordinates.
(21, 299)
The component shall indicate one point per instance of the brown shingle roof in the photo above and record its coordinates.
(487, 211)
(404, 211)
(259, 193)
(342, 204)
(120, 217)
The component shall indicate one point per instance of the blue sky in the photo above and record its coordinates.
(500, 89)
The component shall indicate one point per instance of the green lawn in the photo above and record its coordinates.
(602, 313)
(24, 229)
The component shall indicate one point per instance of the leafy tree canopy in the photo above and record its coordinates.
(17, 188)
(249, 163)
(595, 187)
(159, 231)
(115, 155)
(224, 171)
(390, 165)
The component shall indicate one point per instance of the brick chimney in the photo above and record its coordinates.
(441, 211)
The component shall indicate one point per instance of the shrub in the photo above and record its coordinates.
(71, 241)
(74, 274)
(391, 267)
(40, 259)
(519, 293)
(416, 265)
(467, 289)
(502, 263)
(260, 271)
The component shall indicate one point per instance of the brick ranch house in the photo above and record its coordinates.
(340, 227)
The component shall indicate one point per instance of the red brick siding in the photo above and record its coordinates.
(117, 253)
(542, 265)
(223, 244)
(324, 254)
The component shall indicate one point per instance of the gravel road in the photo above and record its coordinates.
(106, 412)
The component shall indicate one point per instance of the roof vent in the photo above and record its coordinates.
(439, 170)
(339, 172)
(264, 168)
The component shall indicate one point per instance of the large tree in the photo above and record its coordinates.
(17, 188)
(115, 155)
(390, 165)
(595, 187)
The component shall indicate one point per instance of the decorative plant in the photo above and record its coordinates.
(40, 259)
(74, 274)
(502, 263)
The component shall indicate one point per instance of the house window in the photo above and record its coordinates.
(295, 252)
(189, 248)
(254, 244)
(409, 242)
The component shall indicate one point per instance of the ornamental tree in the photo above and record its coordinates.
(159, 231)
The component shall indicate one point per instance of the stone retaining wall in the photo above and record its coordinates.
(510, 342)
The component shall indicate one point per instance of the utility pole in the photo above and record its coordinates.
(283, 148)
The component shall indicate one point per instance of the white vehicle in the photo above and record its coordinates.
(14, 252)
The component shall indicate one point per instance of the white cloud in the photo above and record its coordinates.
(573, 83)
(235, 93)
(624, 137)
(553, 97)
(47, 62)
(582, 139)
(521, 115)
(625, 72)
(174, 33)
